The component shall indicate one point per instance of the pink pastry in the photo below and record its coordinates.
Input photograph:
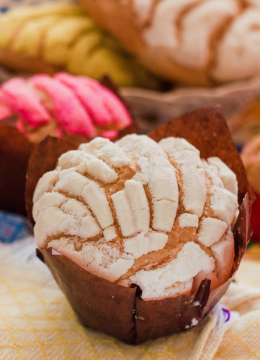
(20, 98)
(115, 107)
(63, 104)
(93, 103)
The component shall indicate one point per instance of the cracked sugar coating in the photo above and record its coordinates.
(63, 105)
(141, 212)
(196, 42)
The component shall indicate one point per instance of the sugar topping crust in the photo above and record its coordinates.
(140, 212)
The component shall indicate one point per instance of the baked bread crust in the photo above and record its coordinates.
(49, 38)
(194, 42)
(19, 62)
(141, 212)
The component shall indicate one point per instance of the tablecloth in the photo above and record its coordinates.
(37, 323)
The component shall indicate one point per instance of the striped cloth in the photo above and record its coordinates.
(37, 323)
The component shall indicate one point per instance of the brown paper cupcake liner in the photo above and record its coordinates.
(15, 151)
(120, 311)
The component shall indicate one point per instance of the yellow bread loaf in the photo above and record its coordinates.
(54, 37)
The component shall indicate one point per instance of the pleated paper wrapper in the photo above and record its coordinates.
(120, 311)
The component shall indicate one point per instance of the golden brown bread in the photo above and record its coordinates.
(141, 212)
(49, 38)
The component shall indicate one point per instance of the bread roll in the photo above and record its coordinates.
(48, 38)
(63, 106)
(195, 42)
(140, 212)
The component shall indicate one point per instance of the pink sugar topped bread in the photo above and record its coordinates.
(141, 212)
(63, 104)
(75, 108)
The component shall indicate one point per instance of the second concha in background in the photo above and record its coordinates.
(193, 42)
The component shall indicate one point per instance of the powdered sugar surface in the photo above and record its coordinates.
(115, 208)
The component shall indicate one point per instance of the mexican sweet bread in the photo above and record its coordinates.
(52, 37)
(141, 212)
(198, 42)
(64, 106)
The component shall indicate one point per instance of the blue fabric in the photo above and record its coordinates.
(8, 4)
(13, 227)
(239, 148)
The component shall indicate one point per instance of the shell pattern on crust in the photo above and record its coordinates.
(137, 211)
(197, 42)
(221, 37)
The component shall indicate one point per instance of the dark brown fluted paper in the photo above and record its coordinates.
(98, 303)
(15, 151)
(168, 316)
(89, 295)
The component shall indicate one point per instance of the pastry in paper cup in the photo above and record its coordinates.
(143, 235)
(73, 108)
